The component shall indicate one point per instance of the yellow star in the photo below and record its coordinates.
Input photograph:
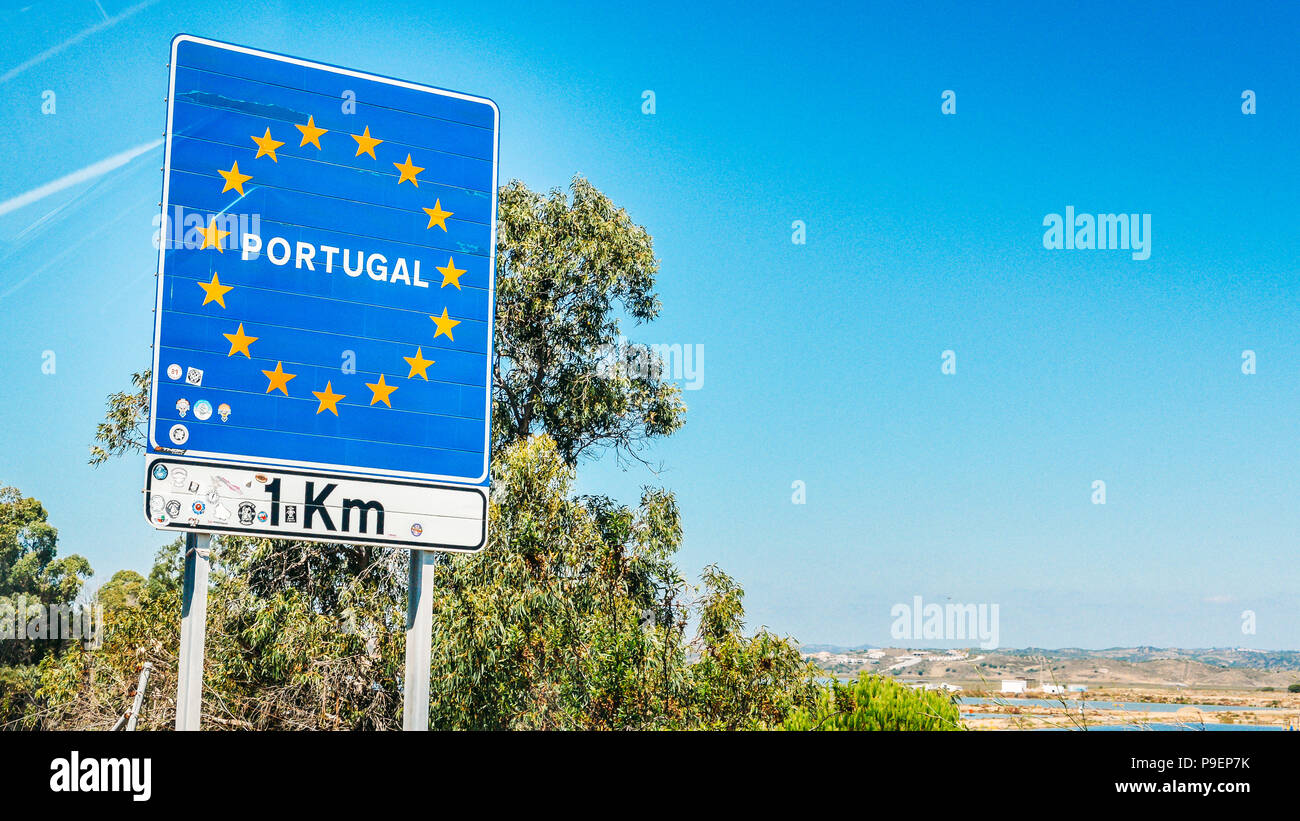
(450, 274)
(329, 400)
(234, 179)
(381, 391)
(418, 364)
(437, 216)
(408, 171)
(214, 291)
(239, 342)
(445, 324)
(311, 134)
(366, 144)
(279, 379)
(266, 146)
(212, 238)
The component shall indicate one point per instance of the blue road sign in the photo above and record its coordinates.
(325, 292)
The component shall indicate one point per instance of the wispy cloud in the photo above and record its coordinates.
(76, 38)
(100, 230)
(90, 172)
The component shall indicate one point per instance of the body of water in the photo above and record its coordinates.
(1139, 706)
(1152, 725)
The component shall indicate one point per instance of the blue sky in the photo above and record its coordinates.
(822, 360)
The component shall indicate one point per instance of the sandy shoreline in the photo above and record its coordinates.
(1257, 709)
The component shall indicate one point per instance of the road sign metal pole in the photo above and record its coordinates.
(419, 639)
(194, 621)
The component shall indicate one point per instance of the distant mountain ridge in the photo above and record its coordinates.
(1228, 657)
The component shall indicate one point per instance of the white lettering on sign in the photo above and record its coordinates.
(353, 262)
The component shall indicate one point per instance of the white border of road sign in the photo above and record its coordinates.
(350, 470)
(472, 500)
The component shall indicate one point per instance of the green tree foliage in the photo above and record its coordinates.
(272, 662)
(123, 428)
(570, 619)
(743, 681)
(28, 550)
(122, 591)
(18, 706)
(577, 619)
(32, 577)
(876, 703)
(564, 265)
(168, 568)
(89, 688)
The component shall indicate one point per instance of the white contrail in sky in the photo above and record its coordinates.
(77, 38)
(88, 173)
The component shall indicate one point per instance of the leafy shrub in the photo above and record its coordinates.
(876, 703)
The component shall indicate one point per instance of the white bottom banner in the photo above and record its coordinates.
(211, 497)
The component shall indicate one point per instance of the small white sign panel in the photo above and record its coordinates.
(203, 497)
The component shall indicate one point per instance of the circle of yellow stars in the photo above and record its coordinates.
(241, 342)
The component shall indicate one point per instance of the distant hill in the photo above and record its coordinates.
(834, 648)
(1213, 656)
(1217, 656)
(1214, 667)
